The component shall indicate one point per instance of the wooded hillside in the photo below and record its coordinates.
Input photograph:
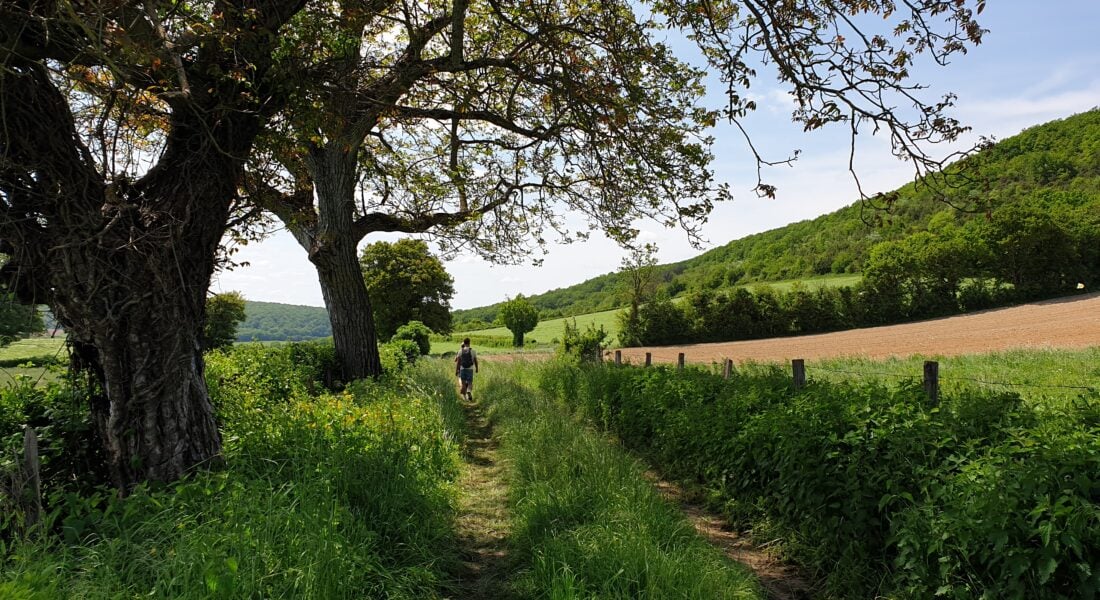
(1057, 163)
(266, 321)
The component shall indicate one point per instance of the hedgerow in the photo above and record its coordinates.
(872, 488)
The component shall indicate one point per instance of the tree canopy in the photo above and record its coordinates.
(224, 312)
(519, 316)
(407, 283)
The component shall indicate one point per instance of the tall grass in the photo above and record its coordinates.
(586, 524)
(1037, 375)
(326, 495)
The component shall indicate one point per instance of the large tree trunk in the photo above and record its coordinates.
(136, 294)
(349, 309)
(153, 414)
(125, 267)
(329, 237)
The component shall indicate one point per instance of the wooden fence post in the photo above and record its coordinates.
(32, 487)
(648, 359)
(727, 369)
(618, 358)
(798, 367)
(932, 381)
(680, 362)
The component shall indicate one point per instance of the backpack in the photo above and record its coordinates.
(466, 357)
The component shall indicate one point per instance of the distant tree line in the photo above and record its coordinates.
(1044, 247)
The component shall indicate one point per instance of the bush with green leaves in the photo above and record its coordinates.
(418, 333)
(224, 312)
(874, 490)
(408, 350)
(519, 316)
(582, 346)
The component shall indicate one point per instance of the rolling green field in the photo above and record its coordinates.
(547, 331)
(32, 348)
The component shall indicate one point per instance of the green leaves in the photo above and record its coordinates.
(519, 316)
(406, 283)
(886, 497)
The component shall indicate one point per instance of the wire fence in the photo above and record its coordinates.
(931, 377)
(953, 379)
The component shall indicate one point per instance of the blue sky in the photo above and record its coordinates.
(1040, 61)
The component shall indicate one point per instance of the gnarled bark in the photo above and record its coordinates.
(349, 309)
(125, 261)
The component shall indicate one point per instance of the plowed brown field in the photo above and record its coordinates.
(1072, 322)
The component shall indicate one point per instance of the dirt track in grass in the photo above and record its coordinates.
(483, 515)
(781, 581)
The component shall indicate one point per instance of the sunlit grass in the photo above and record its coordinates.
(1037, 375)
(33, 347)
(586, 523)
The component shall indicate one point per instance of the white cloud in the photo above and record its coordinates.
(1008, 116)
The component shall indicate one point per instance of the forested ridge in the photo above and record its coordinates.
(275, 321)
(1055, 166)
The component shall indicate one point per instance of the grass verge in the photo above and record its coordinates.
(1037, 375)
(326, 496)
(586, 524)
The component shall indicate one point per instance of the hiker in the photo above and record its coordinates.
(465, 367)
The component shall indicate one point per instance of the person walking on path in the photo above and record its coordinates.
(465, 367)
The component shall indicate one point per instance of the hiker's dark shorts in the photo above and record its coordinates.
(466, 375)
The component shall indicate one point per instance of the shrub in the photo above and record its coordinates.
(582, 347)
(408, 349)
(662, 322)
(418, 333)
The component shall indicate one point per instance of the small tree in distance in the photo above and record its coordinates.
(224, 312)
(638, 275)
(519, 316)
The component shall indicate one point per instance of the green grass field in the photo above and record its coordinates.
(25, 350)
(32, 348)
(1036, 375)
(547, 331)
(813, 283)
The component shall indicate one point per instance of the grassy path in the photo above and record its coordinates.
(483, 514)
